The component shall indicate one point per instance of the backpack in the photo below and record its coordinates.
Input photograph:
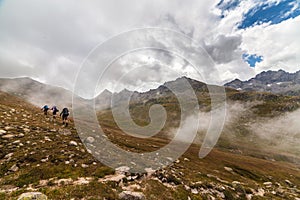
(65, 111)
(46, 107)
(54, 109)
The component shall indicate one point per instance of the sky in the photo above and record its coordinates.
(50, 40)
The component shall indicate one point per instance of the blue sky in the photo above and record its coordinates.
(263, 12)
(270, 13)
(252, 59)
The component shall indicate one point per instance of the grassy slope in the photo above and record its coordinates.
(208, 173)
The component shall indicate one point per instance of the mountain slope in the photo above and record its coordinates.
(164, 91)
(36, 92)
(37, 154)
(278, 82)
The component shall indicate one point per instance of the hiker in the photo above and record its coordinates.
(54, 111)
(45, 109)
(64, 115)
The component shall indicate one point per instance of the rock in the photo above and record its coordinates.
(90, 139)
(260, 192)
(149, 171)
(33, 196)
(114, 178)
(8, 136)
(228, 169)
(128, 195)
(2, 132)
(84, 166)
(48, 139)
(26, 130)
(186, 159)
(7, 128)
(64, 131)
(122, 170)
(289, 182)
(73, 143)
(132, 187)
(21, 135)
(194, 191)
(14, 168)
(268, 184)
(83, 181)
(9, 155)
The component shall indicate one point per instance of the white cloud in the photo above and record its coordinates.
(278, 44)
(48, 40)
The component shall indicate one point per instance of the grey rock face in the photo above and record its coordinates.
(278, 82)
(32, 196)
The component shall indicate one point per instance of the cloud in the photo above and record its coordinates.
(48, 40)
(277, 44)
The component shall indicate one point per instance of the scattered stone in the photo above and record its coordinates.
(128, 195)
(260, 192)
(21, 135)
(267, 184)
(14, 168)
(236, 183)
(16, 141)
(149, 171)
(2, 132)
(122, 170)
(114, 178)
(82, 181)
(44, 160)
(64, 181)
(228, 169)
(48, 139)
(64, 131)
(84, 166)
(32, 196)
(7, 128)
(26, 130)
(194, 191)
(73, 143)
(289, 182)
(8, 136)
(7, 156)
(132, 187)
(186, 159)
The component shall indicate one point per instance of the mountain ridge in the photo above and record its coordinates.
(277, 82)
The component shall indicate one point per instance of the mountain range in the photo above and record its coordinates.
(278, 82)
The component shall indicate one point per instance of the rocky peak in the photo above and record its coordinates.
(278, 82)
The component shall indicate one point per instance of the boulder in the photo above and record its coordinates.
(128, 195)
(33, 196)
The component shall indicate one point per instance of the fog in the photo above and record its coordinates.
(247, 133)
(280, 133)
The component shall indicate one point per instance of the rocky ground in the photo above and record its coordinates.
(40, 155)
